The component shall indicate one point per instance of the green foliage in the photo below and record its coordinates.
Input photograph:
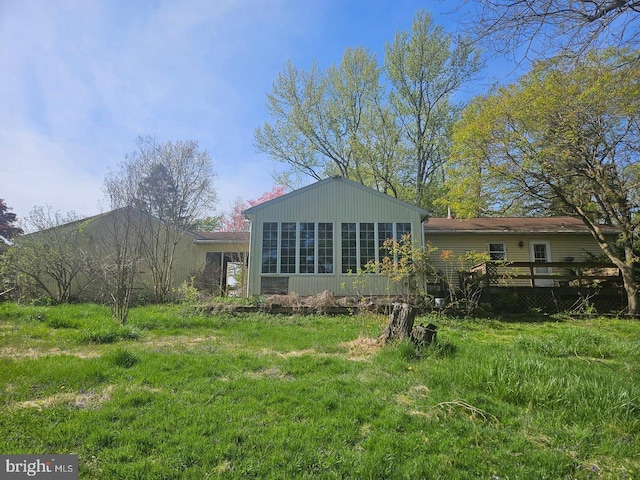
(412, 267)
(47, 262)
(508, 303)
(186, 293)
(545, 146)
(386, 126)
(124, 358)
(407, 264)
(8, 229)
(206, 224)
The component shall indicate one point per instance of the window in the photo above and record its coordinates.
(307, 248)
(349, 248)
(385, 232)
(291, 247)
(363, 243)
(325, 248)
(403, 231)
(288, 247)
(497, 251)
(270, 247)
(367, 244)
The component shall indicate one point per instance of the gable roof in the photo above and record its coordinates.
(511, 225)
(350, 183)
(98, 216)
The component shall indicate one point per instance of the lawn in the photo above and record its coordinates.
(174, 394)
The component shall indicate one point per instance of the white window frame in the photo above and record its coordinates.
(503, 252)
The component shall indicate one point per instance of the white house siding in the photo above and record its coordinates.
(334, 201)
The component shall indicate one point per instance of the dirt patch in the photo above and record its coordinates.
(271, 372)
(82, 400)
(187, 342)
(18, 352)
(297, 353)
(89, 399)
(362, 348)
(415, 393)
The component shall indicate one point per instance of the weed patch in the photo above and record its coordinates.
(108, 335)
(124, 358)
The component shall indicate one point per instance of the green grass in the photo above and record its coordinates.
(176, 395)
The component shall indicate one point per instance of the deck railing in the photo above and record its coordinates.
(542, 274)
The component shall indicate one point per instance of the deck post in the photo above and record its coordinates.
(531, 271)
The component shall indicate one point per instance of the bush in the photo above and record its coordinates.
(509, 303)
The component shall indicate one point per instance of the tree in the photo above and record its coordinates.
(346, 122)
(171, 182)
(425, 69)
(565, 135)
(559, 26)
(7, 220)
(206, 224)
(53, 258)
(318, 117)
(117, 257)
(235, 221)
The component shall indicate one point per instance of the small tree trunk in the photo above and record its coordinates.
(631, 288)
(424, 336)
(400, 322)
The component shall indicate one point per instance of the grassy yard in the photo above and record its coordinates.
(177, 395)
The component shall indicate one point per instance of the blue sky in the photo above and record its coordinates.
(82, 79)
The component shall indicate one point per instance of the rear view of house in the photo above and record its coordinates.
(319, 237)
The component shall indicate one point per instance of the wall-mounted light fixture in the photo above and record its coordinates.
(521, 244)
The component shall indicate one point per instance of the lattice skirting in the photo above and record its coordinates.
(557, 300)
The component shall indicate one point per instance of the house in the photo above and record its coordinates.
(83, 251)
(217, 257)
(322, 236)
(518, 241)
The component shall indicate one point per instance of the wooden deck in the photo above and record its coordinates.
(558, 274)
(565, 286)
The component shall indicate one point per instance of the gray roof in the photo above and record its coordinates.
(511, 225)
(221, 237)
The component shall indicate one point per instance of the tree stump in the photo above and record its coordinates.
(424, 336)
(400, 323)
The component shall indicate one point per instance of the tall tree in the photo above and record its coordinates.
(385, 127)
(425, 69)
(234, 221)
(172, 182)
(8, 229)
(565, 135)
(318, 117)
(551, 27)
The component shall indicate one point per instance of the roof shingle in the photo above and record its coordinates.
(511, 225)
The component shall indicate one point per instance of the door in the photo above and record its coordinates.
(541, 253)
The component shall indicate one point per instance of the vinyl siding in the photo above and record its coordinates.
(574, 245)
(334, 201)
